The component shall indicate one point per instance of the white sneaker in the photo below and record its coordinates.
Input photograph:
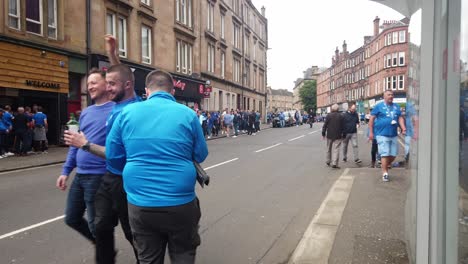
(254, 134)
(385, 177)
(1, 157)
(209, 137)
(234, 136)
(8, 154)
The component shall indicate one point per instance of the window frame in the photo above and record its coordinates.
(401, 56)
(223, 25)
(402, 36)
(401, 80)
(394, 59)
(123, 49)
(146, 2)
(55, 20)
(211, 57)
(184, 57)
(16, 16)
(40, 22)
(223, 64)
(395, 37)
(184, 12)
(210, 17)
(147, 59)
(394, 83)
(113, 33)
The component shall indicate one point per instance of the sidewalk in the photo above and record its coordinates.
(362, 219)
(55, 155)
(372, 228)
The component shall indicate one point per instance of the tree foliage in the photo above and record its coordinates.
(308, 95)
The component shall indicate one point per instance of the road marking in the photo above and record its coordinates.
(219, 164)
(31, 227)
(260, 150)
(310, 133)
(33, 168)
(317, 242)
(292, 139)
(63, 216)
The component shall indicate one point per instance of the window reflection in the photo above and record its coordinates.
(463, 178)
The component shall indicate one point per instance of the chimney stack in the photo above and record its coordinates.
(345, 47)
(376, 26)
(263, 11)
(337, 54)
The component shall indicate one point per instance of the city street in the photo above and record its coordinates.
(264, 191)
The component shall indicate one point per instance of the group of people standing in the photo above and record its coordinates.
(134, 169)
(229, 122)
(384, 121)
(23, 130)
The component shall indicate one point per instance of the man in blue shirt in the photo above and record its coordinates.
(159, 175)
(383, 125)
(90, 168)
(111, 199)
(40, 129)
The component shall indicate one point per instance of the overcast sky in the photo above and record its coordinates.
(303, 33)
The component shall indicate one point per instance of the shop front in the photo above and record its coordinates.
(30, 76)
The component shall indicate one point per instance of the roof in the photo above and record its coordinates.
(282, 92)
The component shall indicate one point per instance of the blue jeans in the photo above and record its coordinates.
(81, 198)
(236, 129)
(282, 123)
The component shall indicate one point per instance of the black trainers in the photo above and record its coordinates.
(328, 164)
(335, 167)
(345, 160)
(357, 161)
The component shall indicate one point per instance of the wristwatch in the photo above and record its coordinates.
(86, 146)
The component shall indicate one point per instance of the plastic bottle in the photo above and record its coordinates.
(72, 124)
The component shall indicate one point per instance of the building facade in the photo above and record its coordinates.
(233, 55)
(43, 57)
(279, 100)
(215, 50)
(312, 73)
(363, 75)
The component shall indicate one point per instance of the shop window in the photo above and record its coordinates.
(14, 14)
(34, 16)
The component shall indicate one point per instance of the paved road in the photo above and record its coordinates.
(255, 210)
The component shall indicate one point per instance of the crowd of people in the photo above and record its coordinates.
(23, 131)
(229, 122)
(385, 121)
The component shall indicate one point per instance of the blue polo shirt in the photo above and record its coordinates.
(115, 161)
(383, 122)
(159, 149)
(39, 118)
(8, 118)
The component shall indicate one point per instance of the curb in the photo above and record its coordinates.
(32, 166)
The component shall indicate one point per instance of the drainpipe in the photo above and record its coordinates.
(88, 42)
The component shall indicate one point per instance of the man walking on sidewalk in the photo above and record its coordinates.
(383, 125)
(90, 168)
(333, 129)
(350, 124)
